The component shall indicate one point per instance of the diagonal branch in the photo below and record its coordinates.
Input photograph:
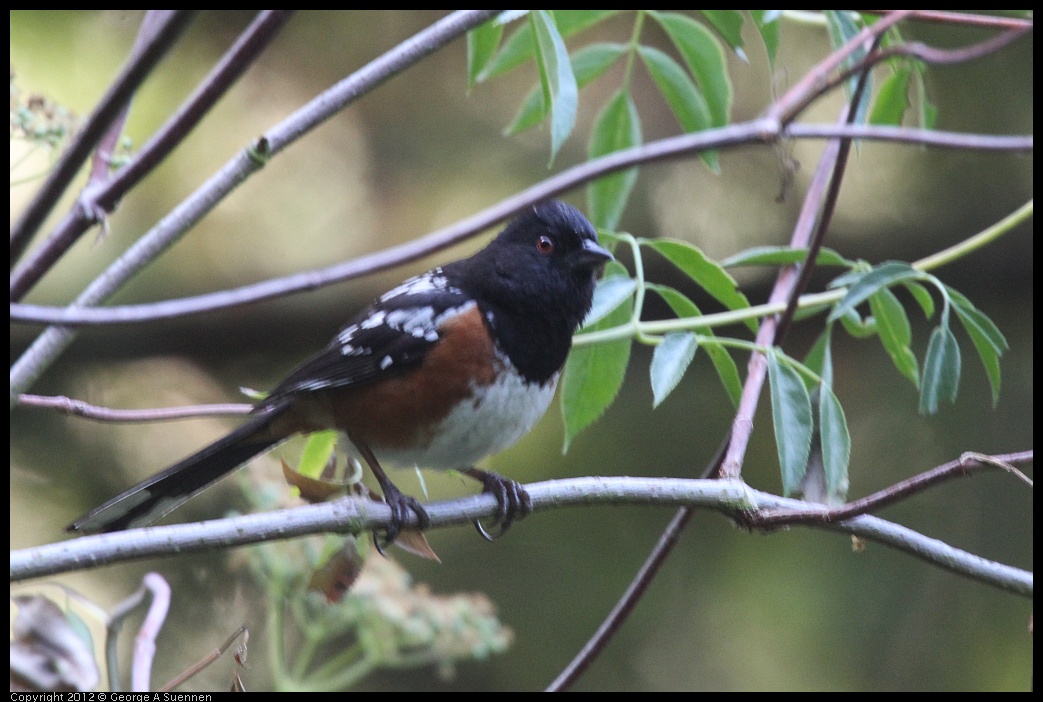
(123, 88)
(757, 131)
(54, 340)
(102, 196)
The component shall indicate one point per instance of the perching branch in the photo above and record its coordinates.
(355, 515)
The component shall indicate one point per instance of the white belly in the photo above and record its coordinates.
(495, 418)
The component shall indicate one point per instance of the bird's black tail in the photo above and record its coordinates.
(165, 491)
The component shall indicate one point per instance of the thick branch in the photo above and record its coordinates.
(354, 515)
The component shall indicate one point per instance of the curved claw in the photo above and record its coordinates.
(400, 504)
(512, 501)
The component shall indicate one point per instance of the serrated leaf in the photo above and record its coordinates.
(519, 47)
(609, 294)
(836, 444)
(727, 371)
(728, 24)
(941, 370)
(892, 325)
(616, 127)
(866, 284)
(708, 274)
(556, 78)
(587, 64)
(482, 42)
(792, 419)
(892, 99)
(783, 256)
(679, 91)
(922, 297)
(703, 55)
(592, 378)
(670, 360)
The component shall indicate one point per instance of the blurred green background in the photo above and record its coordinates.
(795, 610)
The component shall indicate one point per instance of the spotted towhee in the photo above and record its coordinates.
(445, 369)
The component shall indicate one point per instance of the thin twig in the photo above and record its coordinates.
(819, 205)
(54, 340)
(596, 644)
(758, 131)
(963, 466)
(955, 18)
(156, 589)
(206, 661)
(79, 408)
(101, 198)
(123, 88)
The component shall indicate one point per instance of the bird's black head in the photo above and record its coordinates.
(537, 278)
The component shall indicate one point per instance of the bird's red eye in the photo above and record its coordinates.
(544, 245)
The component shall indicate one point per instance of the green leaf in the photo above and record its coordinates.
(783, 256)
(941, 370)
(727, 371)
(768, 25)
(965, 307)
(609, 294)
(592, 378)
(556, 78)
(519, 47)
(842, 26)
(892, 100)
(815, 361)
(836, 444)
(990, 357)
(896, 335)
(482, 42)
(573, 21)
(594, 59)
(793, 421)
(703, 55)
(922, 297)
(856, 326)
(684, 99)
(866, 284)
(728, 24)
(708, 274)
(587, 64)
(670, 360)
(987, 339)
(318, 449)
(617, 127)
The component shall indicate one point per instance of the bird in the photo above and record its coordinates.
(449, 367)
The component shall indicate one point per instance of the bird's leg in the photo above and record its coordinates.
(511, 499)
(399, 502)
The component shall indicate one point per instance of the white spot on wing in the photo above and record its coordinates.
(432, 281)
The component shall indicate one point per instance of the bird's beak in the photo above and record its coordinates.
(593, 255)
